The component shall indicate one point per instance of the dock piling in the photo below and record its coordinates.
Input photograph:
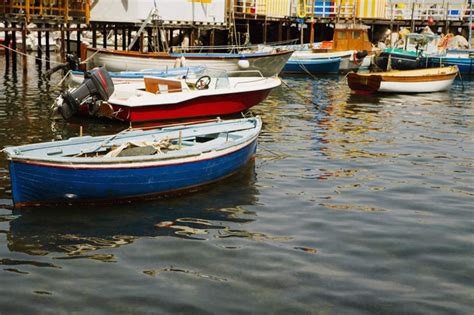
(39, 52)
(62, 45)
(14, 54)
(94, 35)
(124, 37)
(47, 46)
(23, 47)
(78, 41)
(68, 39)
(115, 37)
(7, 45)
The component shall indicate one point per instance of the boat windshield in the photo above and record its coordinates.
(220, 77)
(422, 42)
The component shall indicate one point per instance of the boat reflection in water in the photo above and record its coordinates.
(79, 232)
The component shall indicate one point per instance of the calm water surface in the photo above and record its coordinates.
(360, 204)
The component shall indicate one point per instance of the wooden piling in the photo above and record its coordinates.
(78, 41)
(39, 51)
(288, 31)
(23, 47)
(47, 47)
(124, 37)
(413, 17)
(150, 39)
(212, 39)
(68, 39)
(129, 35)
(265, 30)
(446, 19)
(94, 35)
(280, 31)
(63, 44)
(104, 34)
(7, 44)
(142, 48)
(115, 37)
(14, 54)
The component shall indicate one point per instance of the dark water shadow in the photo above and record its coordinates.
(78, 231)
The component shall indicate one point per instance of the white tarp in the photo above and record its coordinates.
(136, 11)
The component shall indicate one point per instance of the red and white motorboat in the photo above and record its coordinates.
(201, 95)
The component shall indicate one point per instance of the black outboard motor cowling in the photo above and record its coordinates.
(97, 85)
(361, 54)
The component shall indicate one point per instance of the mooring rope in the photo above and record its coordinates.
(299, 94)
(64, 78)
(92, 56)
(26, 55)
(302, 66)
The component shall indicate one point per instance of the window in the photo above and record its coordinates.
(341, 35)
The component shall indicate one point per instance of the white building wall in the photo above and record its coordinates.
(170, 11)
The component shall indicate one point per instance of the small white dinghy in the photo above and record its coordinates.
(405, 81)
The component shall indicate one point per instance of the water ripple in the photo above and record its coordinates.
(359, 204)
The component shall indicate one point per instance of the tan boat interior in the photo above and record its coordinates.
(162, 85)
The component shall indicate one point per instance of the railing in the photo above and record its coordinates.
(347, 9)
(425, 10)
(56, 9)
(250, 8)
(330, 9)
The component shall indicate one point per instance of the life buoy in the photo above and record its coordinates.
(354, 57)
(302, 8)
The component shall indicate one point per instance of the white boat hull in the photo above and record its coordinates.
(123, 63)
(267, 64)
(416, 87)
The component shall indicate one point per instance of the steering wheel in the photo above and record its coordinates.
(203, 82)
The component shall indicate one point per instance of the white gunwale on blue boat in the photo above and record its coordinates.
(69, 172)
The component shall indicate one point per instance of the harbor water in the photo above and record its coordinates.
(355, 204)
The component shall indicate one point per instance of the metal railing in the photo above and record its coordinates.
(424, 10)
(251, 8)
(346, 9)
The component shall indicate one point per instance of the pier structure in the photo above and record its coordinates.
(21, 18)
(163, 25)
(274, 16)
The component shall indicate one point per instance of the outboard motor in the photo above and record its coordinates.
(96, 87)
(361, 54)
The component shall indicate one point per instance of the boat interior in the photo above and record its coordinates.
(169, 141)
(192, 83)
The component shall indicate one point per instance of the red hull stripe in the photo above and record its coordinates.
(205, 106)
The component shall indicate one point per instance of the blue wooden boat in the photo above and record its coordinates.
(132, 164)
(313, 65)
(119, 77)
(463, 59)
